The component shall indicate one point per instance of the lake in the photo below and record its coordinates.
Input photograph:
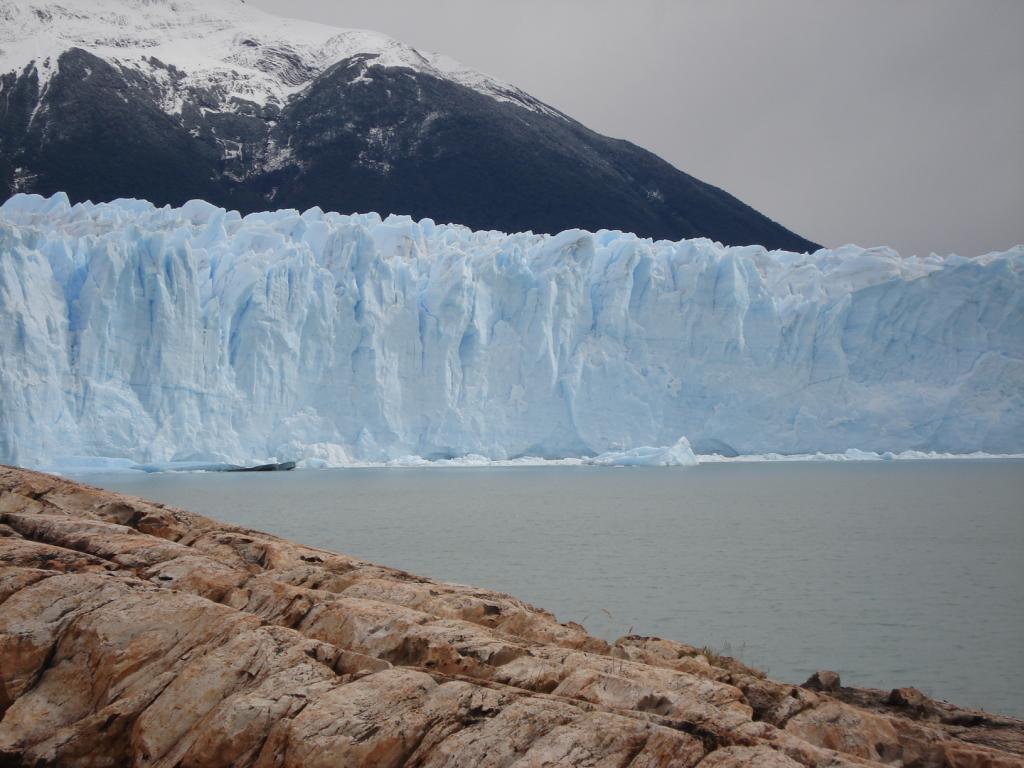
(891, 573)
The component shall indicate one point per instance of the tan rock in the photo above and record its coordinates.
(908, 698)
(748, 757)
(132, 633)
(823, 680)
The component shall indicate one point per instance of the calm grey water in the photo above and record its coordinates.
(892, 573)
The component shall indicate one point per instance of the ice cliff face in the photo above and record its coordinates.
(193, 333)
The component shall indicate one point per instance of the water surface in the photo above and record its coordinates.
(891, 573)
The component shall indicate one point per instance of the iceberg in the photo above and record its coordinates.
(678, 455)
(193, 334)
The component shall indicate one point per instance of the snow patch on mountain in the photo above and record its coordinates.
(222, 47)
(196, 334)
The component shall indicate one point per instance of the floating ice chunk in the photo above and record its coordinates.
(315, 455)
(678, 455)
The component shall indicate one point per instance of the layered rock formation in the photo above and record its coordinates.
(132, 633)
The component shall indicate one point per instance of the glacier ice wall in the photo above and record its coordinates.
(193, 333)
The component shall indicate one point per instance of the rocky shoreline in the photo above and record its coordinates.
(133, 633)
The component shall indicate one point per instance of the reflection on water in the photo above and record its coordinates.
(908, 573)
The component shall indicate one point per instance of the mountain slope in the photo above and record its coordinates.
(170, 101)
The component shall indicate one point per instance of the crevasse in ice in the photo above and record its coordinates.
(192, 333)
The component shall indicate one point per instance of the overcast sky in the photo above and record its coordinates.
(897, 122)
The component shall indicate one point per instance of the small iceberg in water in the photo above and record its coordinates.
(678, 455)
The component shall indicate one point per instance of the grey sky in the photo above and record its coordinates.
(897, 122)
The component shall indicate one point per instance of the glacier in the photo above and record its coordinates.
(152, 335)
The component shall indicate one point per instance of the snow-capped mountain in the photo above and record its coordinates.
(225, 48)
(160, 334)
(170, 100)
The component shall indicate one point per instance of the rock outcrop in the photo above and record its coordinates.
(132, 633)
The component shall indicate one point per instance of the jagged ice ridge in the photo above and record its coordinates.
(162, 334)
